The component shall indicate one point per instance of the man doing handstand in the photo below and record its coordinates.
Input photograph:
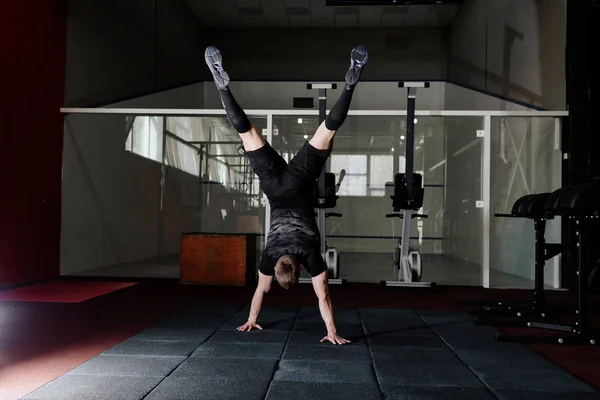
(293, 241)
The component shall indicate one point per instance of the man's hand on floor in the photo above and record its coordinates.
(248, 326)
(335, 339)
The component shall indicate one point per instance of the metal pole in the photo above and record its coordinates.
(163, 177)
(321, 211)
(410, 140)
(487, 200)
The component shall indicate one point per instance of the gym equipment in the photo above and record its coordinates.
(581, 204)
(325, 197)
(407, 260)
(530, 207)
(331, 254)
(407, 198)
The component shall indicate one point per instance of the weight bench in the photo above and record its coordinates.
(581, 204)
(531, 207)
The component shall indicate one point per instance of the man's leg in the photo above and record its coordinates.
(323, 138)
(264, 160)
(251, 138)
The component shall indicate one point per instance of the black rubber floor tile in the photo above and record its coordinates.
(132, 347)
(445, 314)
(255, 336)
(341, 315)
(529, 378)
(399, 323)
(128, 366)
(409, 342)
(404, 392)
(240, 350)
(523, 357)
(414, 356)
(546, 395)
(436, 322)
(480, 343)
(391, 373)
(178, 322)
(184, 335)
(326, 352)
(265, 316)
(226, 368)
(192, 312)
(391, 328)
(94, 387)
(320, 328)
(276, 309)
(325, 371)
(387, 312)
(314, 337)
(285, 325)
(458, 334)
(209, 387)
(282, 390)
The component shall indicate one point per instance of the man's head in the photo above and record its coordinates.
(287, 271)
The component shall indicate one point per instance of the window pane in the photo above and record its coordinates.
(146, 137)
(353, 185)
(353, 164)
(382, 171)
(402, 167)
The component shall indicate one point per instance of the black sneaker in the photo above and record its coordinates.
(214, 60)
(358, 58)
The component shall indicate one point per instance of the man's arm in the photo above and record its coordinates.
(264, 285)
(322, 291)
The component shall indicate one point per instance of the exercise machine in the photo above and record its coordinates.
(331, 254)
(406, 201)
(581, 205)
(325, 197)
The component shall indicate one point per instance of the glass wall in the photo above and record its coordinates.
(526, 159)
(370, 150)
(461, 257)
(132, 185)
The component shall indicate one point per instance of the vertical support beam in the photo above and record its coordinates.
(410, 139)
(163, 178)
(487, 198)
(321, 223)
(264, 197)
(321, 211)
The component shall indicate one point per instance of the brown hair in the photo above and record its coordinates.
(287, 271)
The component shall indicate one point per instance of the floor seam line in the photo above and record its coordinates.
(370, 355)
(457, 356)
(282, 353)
(194, 350)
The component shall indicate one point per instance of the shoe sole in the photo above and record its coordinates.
(358, 58)
(214, 60)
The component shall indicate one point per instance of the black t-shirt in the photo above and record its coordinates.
(289, 188)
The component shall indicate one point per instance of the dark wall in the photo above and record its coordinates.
(511, 48)
(32, 39)
(322, 54)
(118, 50)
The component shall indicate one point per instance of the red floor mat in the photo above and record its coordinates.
(63, 291)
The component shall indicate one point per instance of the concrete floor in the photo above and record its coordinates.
(355, 267)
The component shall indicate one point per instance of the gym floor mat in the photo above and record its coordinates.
(289, 362)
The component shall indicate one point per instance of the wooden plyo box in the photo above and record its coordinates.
(217, 259)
